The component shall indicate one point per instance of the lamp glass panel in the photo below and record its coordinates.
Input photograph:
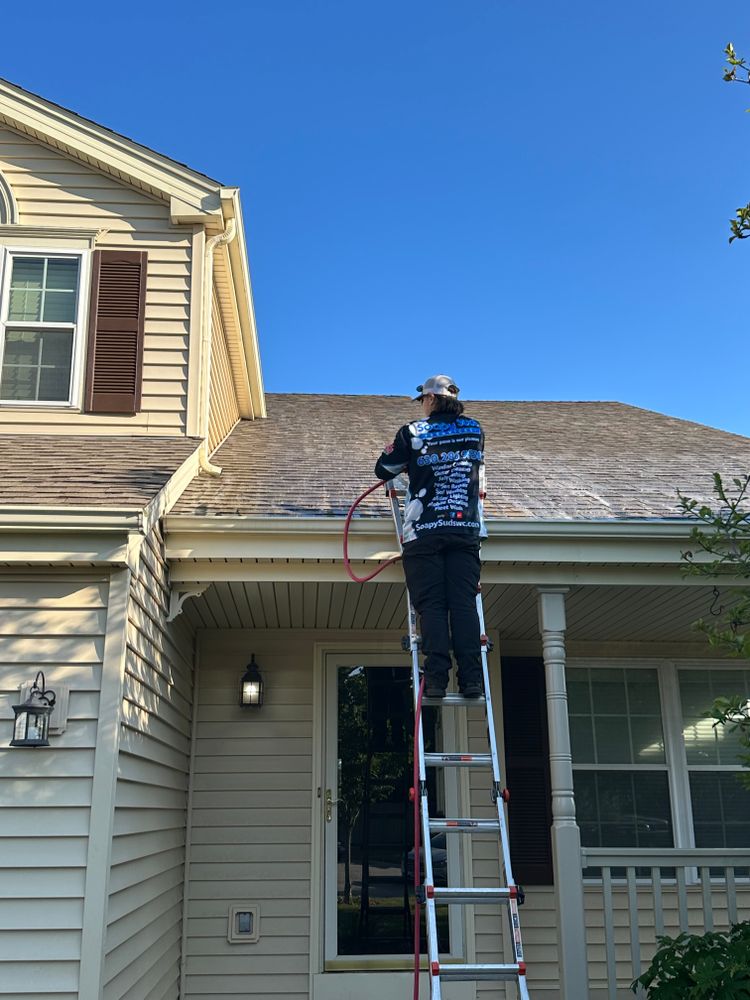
(19, 732)
(37, 726)
(250, 692)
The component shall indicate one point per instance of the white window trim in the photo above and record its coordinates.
(676, 766)
(75, 396)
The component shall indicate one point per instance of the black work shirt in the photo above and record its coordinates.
(444, 458)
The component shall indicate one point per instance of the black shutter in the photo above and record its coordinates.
(527, 769)
(115, 349)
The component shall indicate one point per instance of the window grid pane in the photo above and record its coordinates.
(43, 289)
(623, 808)
(36, 365)
(720, 799)
(615, 716)
(705, 744)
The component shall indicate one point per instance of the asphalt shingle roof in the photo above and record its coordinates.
(70, 470)
(548, 460)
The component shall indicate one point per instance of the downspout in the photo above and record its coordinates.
(208, 270)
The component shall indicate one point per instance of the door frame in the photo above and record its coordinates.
(327, 657)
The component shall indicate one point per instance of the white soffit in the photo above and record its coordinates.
(594, 613)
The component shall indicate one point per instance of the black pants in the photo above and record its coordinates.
(442, 574)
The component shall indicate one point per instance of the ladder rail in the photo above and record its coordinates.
(514, 920)
(508, 894)
(426, 852)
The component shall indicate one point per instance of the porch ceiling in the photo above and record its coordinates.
(595, 613)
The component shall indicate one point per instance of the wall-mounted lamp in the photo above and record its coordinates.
(31, 727)
(251, 685)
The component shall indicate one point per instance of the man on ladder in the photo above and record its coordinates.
(440, 532)
(443, 523)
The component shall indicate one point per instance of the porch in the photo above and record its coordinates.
(291, 611)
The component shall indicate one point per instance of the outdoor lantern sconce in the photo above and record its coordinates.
(251, 686)
(31, 727)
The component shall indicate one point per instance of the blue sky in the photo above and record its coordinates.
(531, 197)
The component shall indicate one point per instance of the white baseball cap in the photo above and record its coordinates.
(438, 385)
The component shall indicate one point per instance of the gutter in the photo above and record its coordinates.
(206, 338)
(60, 519)
(605, 528)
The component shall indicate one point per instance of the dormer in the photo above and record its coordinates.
(125, 297)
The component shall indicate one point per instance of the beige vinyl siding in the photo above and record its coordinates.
(223, 412)
(55, 624)
(142, 948)
(54, 190)
(251, 819)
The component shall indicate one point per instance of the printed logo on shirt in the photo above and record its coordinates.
(432, 429)
(473, 454)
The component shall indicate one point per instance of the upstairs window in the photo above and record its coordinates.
(40, 327)
(42, 338)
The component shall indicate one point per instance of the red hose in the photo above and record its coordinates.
(417, 845)
(347, 565)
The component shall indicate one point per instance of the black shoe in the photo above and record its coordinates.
(472, 690)
(434, 690)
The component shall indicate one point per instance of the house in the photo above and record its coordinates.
(163, 519)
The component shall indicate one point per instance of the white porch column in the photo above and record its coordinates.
(566, 837)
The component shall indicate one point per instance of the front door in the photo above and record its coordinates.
(369, 830)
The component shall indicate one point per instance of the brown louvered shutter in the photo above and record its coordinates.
(527, 769)
(115, 349)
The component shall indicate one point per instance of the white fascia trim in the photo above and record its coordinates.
(188, 572)
(226, 294)
(373, 540)
(112, 153)
(240, 272)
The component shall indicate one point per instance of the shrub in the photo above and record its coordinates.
(713, 966)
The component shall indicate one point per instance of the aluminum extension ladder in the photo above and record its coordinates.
(507, 893)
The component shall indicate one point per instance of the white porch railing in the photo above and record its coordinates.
(643, 893)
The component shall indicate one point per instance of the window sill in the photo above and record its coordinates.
(40, 407)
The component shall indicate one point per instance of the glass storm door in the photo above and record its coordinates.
(369, 830)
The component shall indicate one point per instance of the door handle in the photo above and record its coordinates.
(330, 803)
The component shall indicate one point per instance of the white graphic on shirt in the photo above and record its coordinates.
(451, 486)
(412, 512)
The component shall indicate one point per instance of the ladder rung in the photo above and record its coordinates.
(463, 825)
(444, 894)
(458, 759)
(458, 973)
(454, 699)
